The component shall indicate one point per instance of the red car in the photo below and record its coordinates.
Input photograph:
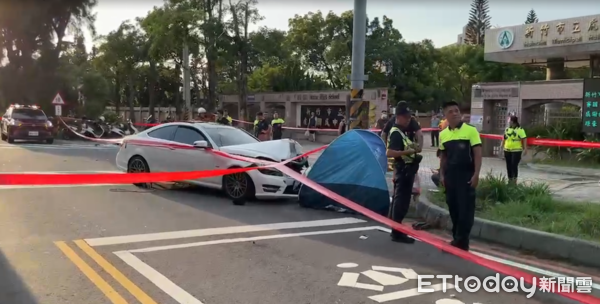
(26, 123)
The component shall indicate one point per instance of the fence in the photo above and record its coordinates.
(141, 113)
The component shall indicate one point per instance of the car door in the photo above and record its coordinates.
(193, 159)
(159, 158)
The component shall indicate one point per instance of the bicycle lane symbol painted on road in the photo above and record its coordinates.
(382, 276)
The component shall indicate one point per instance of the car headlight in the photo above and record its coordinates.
(49, 124)
(272, 172)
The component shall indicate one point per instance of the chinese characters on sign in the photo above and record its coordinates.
(591, 109)
(561, 33)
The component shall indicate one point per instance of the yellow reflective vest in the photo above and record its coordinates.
(407, 144)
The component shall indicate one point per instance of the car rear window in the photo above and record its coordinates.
(28, 114)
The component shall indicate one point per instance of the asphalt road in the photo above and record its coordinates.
(121, 244)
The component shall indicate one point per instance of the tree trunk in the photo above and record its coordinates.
(243, 76)
(152, 88)
(117, 94)
(131, 97)
(178, 97)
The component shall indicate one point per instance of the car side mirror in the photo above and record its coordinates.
(200, 144)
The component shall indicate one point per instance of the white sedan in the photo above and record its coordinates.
(156, 150)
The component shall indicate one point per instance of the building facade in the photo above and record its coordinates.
(557, 45)
(296, 107)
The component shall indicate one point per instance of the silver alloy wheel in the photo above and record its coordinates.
(236, 185)
(137, 166)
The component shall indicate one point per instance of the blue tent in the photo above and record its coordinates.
(353, 166)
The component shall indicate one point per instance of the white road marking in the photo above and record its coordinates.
(527, 267)
(350, 279)
(403, 294)
(384, 278)
(406, 272)
(256, 238)
(162, 282)
(347, 265)
(450, 301)
(136, 238)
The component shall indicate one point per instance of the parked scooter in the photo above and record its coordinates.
(113, 131)
(131, 129)
(150, 121)
(122, 130)
(67, 132)
(92, 129)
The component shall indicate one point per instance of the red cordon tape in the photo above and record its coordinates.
(89, 179)
(420, 235)
(131, 178)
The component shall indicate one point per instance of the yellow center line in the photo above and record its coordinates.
(115, 273)
(108, 291)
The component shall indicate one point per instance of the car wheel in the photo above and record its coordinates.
(50, 141)
(238, 186)
(9, 140)
(138, 164)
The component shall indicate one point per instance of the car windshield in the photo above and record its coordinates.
(28, 114)
(228, 136)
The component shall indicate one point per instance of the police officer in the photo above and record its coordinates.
(261, 127)
(226, 115)
(221, 119)
(406, 165)
(277, 124)
(460, 164)
(515, 145)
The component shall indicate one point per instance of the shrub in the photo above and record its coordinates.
(531, 205)
(496, 189)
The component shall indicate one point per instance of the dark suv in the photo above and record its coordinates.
(26, 123)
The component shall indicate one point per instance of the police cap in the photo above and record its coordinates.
(402, 109)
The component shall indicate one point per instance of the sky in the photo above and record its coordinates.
(438, 20)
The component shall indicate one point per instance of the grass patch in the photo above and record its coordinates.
(532, 206)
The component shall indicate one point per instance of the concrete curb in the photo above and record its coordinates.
(548, 244)
(582, 172)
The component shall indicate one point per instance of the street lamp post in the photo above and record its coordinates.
(357, 110)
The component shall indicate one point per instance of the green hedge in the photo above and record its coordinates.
(532, 205)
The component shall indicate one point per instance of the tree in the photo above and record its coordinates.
(31, 36)
(169, 29)
(141, 61)
(479, 21)
(124, 48)
(321, 42)
(531, 17)
(243, 14)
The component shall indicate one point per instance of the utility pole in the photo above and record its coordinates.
(357, 110)
(186, 83)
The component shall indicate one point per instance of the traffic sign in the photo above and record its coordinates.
(58, 100)
(57, 110)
